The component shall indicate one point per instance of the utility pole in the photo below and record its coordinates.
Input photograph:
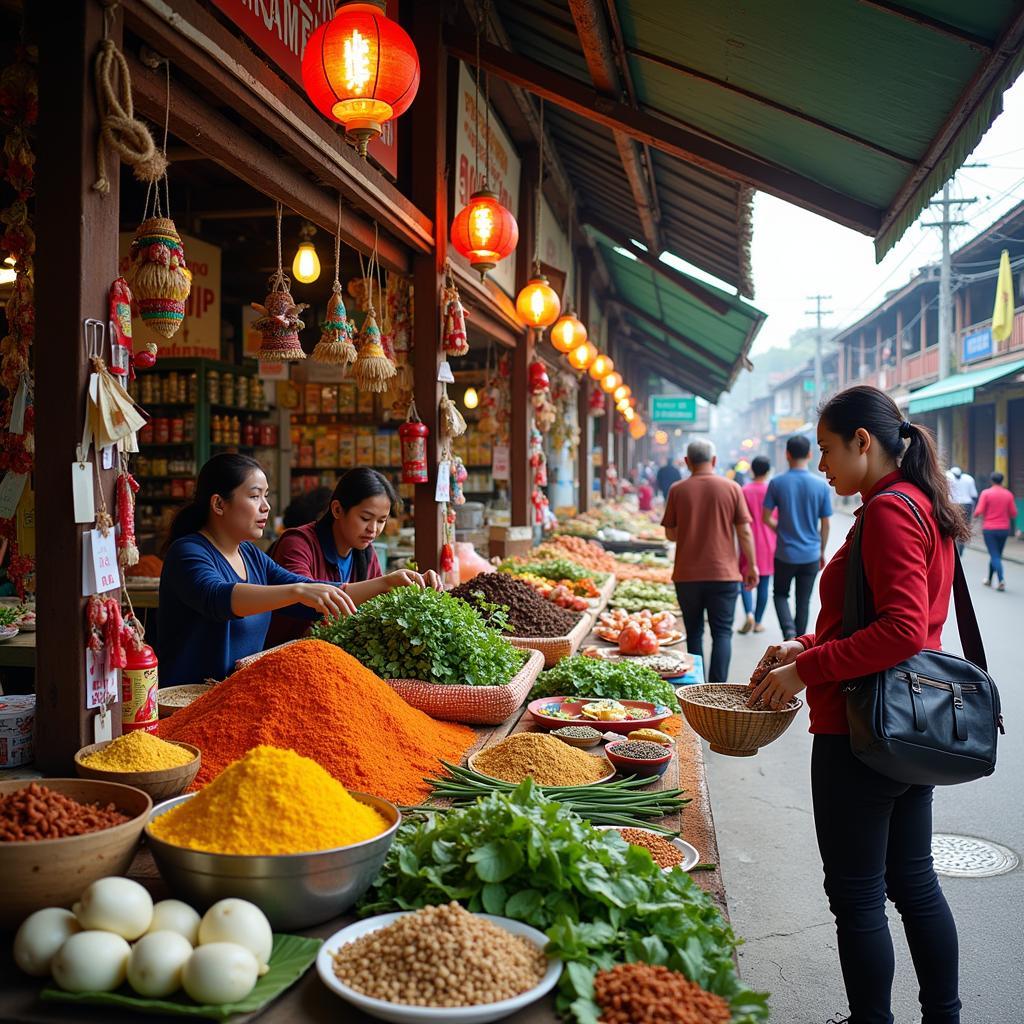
(818, 313)
(946, 306)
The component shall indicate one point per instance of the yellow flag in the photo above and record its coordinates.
(1002, 315)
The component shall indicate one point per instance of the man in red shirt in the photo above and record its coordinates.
(704, 515)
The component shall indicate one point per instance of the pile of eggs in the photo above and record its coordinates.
(216, 958)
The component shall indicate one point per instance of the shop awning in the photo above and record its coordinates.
(857, 111)
(959, 389)
(692, 333)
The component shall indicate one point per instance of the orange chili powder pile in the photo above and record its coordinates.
(315, 699)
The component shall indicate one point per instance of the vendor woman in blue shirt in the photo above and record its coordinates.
(217, 588)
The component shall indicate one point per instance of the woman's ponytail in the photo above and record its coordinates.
(920, 466)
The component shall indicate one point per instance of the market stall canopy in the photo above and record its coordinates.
(857, 111)
(693, 334)
(959, 389)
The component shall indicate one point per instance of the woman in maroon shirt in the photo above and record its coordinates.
(874, 833)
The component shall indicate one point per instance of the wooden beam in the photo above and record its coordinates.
(205, 129)
(921, 20)
(647, 351)
(691, 346)
(669, 137)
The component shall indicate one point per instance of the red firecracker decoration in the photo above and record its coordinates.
(126, 487)
(596, 403)
(539, 380)
(453, 336)
(413, 435)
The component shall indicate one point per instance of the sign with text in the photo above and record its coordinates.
(788, 424)
(673, 409)
(470, 152)
(199, 334)
(977, 345)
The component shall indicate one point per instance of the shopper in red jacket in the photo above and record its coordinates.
(874, 833)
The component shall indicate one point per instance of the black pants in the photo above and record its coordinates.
(874, 835)
(804, 573)
(719, 600)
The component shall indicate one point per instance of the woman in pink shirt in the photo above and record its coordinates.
(764, 547)
(998, 512)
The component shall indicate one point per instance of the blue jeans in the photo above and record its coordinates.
(763, 586)
(995, 541)
(718, 599)
(874, 836)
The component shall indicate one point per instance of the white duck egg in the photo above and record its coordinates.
(234, 920)
(157, 959)
(221, 972)
(116, 905)
(175, 916)
(40, 936)
(91, 961)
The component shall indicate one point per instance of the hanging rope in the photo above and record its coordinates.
(540, 193)
(279, 281)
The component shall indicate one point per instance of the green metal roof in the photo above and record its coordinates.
(692, 333)
(959, 389)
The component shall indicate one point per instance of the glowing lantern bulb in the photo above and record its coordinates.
(611, 382)
(484, 231)
(471, 399)
(601, 367)
(568, 334)
(306, 265)
(582, 356)
(537, 303)
(621, 392)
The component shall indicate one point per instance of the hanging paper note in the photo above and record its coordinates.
(10, 493)
(18, 407)
(99, 562)
(444, 373)
(500, 462)
(108, 457)
(100, 680)
(103, 726)
(82, 492)
(444, 482)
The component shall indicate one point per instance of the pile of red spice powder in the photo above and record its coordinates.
(315, 699)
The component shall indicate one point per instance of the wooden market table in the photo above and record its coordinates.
(19, 652)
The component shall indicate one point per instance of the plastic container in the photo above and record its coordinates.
(17, 728)
(139, 707)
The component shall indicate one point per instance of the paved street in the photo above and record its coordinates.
(770, 860)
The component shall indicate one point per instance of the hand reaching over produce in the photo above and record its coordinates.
(774, 657)
(332, 601)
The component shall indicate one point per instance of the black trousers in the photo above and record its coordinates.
(805, 574)
(718, 599)
(874, 835)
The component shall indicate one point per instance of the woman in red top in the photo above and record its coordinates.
(998, 512)
(874, 833)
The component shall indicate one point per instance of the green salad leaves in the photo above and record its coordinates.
(580, 676)
(599, 900)
(414, 633)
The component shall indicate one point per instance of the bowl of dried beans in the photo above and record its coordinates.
(719, 713)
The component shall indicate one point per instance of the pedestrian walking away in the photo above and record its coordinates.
(963, 491)
(874, 833)
(667, 476)
(998, 512)
(764, 548)
(804, 506)
(705, 515)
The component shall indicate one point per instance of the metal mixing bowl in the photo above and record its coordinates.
(296, 890)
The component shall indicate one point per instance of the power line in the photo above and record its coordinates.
(818, 313)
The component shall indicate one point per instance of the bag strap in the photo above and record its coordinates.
(854, 606)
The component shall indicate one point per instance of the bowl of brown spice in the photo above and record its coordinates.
(719, 713)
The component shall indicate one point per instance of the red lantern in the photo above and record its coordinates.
(360, 69)
(413, 436)
(539, 380)
(484, 231)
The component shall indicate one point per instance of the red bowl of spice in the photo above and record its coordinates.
(638, 757)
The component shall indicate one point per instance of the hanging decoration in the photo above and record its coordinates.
(398, 338)
(124, 358)
(565, 431)
(111, 417)
(372, 369)
(413, 436)
(126, 487)
(538, 460)
(581, 357)
(610, 382)
(360, 69)
(19, 106)
(596, 403)
(448, 563)
(538, 378)
(621, 392)
(306, 264)
(279, 321)
(453, 333)
(337, 331)
(600, 367)
(452, 421)
(459, 475)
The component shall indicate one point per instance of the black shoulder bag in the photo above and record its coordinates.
(934, 718)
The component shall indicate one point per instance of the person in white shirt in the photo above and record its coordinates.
(963, 492)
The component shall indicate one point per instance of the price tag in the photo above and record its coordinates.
(108, 457)
(99, 562)
(442, 492)
(82, 492)
(444, 373)
(10, 493)
(101, 682)
(103, 726)
(500, 462)
(18, 407)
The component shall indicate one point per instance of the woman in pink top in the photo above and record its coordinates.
(764, 547)
(998, 512)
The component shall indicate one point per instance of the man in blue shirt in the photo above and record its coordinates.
(804, 507)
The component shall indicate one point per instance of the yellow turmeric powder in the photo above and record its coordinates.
(138, 752)
(272, 801)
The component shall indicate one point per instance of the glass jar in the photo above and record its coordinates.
(227, 389)
(213, 387)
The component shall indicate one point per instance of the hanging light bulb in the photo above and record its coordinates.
(583, 355)
(621, 392)
(537, 303)
(601, 367)
(470, 399)
(610, 382)
(306, 265)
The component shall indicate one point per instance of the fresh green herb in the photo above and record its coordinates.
(600, 900)
(554, 569)
(580, 676)
(415, 633)
(10, 614)
(637, 595)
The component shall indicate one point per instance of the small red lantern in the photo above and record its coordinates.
(539, 380)
(413, 436)
(484, 232)
(360, 69)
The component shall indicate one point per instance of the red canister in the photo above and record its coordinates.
(162, 430)
(413, 436)
(139, 708)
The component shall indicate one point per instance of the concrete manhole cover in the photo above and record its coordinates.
(968, 857)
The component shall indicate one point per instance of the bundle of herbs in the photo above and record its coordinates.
(580, 676)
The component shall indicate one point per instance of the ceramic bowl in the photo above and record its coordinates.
(640, 766)
(160, 785)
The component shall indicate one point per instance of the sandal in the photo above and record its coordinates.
(758, 628)
(746, 627)
(1002, 585)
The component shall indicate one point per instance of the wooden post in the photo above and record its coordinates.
(428, 134)
(76, 262)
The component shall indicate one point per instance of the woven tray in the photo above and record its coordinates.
(555, 648)
(599, 603)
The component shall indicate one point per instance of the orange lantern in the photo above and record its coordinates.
(611, 382)
(629, 414)
(621, 392)
(660, 437)
(537, 303)
(582, 356)
(601, 367)
(623, 404)
(637, 429)
(568, 334)
(484, 231)
(360, 69)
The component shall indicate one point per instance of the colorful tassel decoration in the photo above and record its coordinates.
(158, 276)
(372, 369)
(335, 344)
(126, 487)
(453, 337)
(279, 323)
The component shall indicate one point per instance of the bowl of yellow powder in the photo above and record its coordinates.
(161, 768)
(276, 829)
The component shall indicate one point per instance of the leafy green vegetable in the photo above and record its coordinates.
(414, 633)
(580, 676)
(601, 901)
(10, 614)
(553, 569)
(636, 595)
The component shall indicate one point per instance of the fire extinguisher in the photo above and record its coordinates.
(413, 436)
(139, 708)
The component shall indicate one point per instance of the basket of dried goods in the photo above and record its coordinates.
(173, 698)
(719, 713)
(439, 654)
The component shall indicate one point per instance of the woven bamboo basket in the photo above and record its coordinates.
(555, 648)
(734, 731)
(599, 603)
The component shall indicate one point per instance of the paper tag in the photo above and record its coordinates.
(103, 726)
(82, 492)
(101, 682)
(444, 373)
(18, 407)
(10, 493)
(99, 563)
(444, 482)
(108, 457)
(500, 462)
